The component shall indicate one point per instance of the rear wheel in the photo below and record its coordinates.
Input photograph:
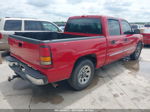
(82, 74)
(137, 52)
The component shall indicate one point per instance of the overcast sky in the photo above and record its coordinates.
(60, 10)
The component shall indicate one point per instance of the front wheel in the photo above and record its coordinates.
(82, 74)
(137, 52)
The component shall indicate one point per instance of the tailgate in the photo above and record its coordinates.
(25, 49)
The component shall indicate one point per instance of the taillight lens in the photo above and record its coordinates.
(1, 36)
(45, 56)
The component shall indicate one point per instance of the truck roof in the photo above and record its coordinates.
(17, 18)
(93, 16)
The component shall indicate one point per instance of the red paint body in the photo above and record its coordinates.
(146, 38)
(65, 54)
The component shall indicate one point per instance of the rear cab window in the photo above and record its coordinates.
(84, 25)
(13, 25)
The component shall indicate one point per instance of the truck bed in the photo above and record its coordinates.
(25, 45)
(46, 35)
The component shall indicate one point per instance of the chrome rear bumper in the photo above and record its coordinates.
(26, 72)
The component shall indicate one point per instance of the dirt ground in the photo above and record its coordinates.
(120, 85)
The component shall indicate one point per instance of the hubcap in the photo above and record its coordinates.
(84, 74)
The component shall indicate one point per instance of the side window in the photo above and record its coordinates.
(126, 28)
(113, 27)
(12, 25)
(33, 25)
(47, 26)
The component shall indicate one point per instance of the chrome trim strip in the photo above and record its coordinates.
(119, 52)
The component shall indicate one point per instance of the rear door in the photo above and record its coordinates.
(115, 40)
(129, 39)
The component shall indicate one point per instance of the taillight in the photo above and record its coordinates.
(45, 56)
(1, 36)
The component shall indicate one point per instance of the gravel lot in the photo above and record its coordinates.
(120, 85)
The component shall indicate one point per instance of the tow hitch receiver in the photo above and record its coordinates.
(13, 77)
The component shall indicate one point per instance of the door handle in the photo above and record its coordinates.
(125, 39)
(113, 41)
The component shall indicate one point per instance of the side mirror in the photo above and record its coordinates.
(136, 31)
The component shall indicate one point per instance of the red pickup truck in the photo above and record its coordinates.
(146, 36)
(88, 43)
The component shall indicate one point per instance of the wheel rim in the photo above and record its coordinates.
(84, 74)
(138, 50)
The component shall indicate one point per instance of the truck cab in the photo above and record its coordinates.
(121, 39)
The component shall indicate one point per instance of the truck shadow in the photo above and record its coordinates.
(63, 95)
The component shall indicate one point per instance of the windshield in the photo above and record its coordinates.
(84, 25)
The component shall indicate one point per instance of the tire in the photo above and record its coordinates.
(137, 52)
(82, 74)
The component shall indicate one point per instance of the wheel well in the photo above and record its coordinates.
(91, 57)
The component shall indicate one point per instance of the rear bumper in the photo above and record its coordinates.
(26, 72)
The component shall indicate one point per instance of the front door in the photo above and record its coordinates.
(129, 39)
(115, 41)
